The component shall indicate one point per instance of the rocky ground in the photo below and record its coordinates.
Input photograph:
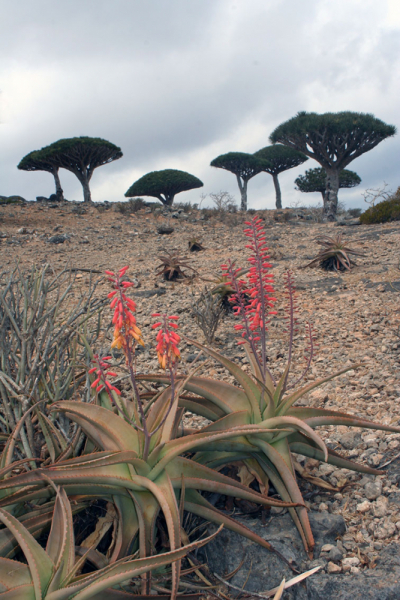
(356, 317)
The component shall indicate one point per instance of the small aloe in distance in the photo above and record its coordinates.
(334, 255)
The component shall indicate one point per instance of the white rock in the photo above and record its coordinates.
(364, 507)
(332, 568)
(393, 444)
(351, 561)
(380, 506)
(327, 547)
(326, 469)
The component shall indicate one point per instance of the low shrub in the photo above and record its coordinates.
(355, 212)
(131, 206)
(383, 212)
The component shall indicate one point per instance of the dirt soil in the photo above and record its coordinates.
(356, 316)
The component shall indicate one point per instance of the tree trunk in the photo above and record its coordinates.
(87, 197)
(169, 198)
(243, 193)
(277, 191)
(331, 194)
(59, 190)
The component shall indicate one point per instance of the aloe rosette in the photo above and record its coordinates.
(51, 573)
(139, 488)
(140, 463)
(262, 400)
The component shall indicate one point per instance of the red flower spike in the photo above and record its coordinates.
(253, 300)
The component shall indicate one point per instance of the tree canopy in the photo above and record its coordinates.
(164, 185)
(34, 162)
(80, 155)
(333, 140)
(280, 158)
(244, 166)
(314, 180)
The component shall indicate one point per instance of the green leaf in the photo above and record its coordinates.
(13, 573)
(200, 477)
(227, 398)
(298, 424)
(124, 570)
(290, 400)
(40, 564)
(52, 441)
(252, 391)
(280, 388)
(105, 428)
(306, 449)
(61, 542)
(24, 592)
(316, 417)
(190, 442)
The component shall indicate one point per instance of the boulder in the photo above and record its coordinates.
(58, 239)
(264, 568)
(337, 580)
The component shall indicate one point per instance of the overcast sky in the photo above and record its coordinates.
(175, 83)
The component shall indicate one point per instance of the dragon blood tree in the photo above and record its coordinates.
(279, 159)
(264, 399)
(334, 140)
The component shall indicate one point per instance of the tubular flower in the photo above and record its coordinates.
(126, 332)
(102, 372)
(167, 340)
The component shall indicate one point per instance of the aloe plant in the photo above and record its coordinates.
(53, 573)
(263, 400)
(334, 255)
(222, 288)
(139, 464)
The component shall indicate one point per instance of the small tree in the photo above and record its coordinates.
(164, 185)
(32, 162)
(333, 140)
(81, 156)
(281, 158)
(244, 166)
(314, 180)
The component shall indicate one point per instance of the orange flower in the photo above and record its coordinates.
(126, 332)
(167, 341)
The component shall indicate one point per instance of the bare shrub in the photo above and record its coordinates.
(224, 201)
(373, 195)
(207, 311)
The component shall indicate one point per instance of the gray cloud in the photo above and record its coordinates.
(177, 83)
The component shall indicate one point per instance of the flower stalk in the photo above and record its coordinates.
(254, 299)
(126, 337)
